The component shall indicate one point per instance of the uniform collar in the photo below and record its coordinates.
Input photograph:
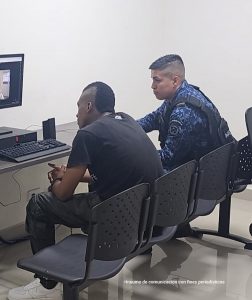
(182, 86)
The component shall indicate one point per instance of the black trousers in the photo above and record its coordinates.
(44, 210)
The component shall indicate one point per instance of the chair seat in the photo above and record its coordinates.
(101, 269)
(240, 185)
(65, 262)
(205, 207)
(166, 234)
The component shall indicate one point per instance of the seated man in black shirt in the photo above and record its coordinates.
(110, 150)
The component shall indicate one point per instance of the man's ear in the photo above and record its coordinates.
(176, 81)
(89, 106)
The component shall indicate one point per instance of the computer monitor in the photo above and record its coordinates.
(11, 82)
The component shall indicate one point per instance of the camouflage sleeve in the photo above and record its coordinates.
(151, 121)
(185, 125)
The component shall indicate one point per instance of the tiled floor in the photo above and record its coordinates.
(211, 268)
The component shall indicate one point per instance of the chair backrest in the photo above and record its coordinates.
(248, 119)
(173, 193)
(244, 161)
(243, 173)
(116, 224)
(214, 175)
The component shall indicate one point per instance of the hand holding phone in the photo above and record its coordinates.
(51, 165)
(59, 168)
(56, 172)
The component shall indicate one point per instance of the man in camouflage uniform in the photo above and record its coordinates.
(184, 128)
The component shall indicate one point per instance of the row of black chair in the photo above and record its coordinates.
(134, 220)
(126, 224)
(240, 178)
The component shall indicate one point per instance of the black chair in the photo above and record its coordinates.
(243, 173)
(248, 119)
(212, 186)
(242, 177)
(115, 231)
(214, 175)
(218, 171)
(170, 199)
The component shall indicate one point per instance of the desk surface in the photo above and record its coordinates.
(64, 133)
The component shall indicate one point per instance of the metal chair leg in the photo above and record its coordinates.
(70, 293)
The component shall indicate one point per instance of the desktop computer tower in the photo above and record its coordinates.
(15, 136)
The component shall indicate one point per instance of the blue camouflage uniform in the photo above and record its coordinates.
(186, 134)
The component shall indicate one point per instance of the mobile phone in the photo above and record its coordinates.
(51, 165)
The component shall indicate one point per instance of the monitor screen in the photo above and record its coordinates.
(11, 80)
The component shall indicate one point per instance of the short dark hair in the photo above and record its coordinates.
(162, 62)
(104, 96)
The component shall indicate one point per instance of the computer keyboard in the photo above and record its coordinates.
(31, 150)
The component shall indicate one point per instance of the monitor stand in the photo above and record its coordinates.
(5, 130)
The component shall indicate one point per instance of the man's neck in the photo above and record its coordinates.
(176, 91)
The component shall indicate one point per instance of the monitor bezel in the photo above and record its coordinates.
(20, 94)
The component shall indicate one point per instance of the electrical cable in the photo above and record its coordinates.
(67, 130)
(19, 186)
(33, 125)
(21, 239)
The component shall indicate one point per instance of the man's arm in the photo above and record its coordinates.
(66, 180)
(185, 127)
(87, 178)
(151, 121)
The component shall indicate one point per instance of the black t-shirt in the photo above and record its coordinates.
(118, 154)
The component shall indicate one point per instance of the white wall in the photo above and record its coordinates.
(70, 43)
(214, 38)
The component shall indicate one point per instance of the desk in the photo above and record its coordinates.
(65, 133)
(19, 180)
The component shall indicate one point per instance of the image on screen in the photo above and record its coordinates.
(4, 84)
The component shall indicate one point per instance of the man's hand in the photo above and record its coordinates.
(56, 172)
(69, 178)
